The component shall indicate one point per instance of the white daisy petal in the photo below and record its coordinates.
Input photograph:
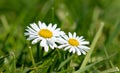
(73, 50)
(43, 43)
(86, 50)
(30, 29)
(77, 37)
(50, 26)
(62, 46)
(51, 46)
(54, 27)
(66, 48)
(80, 38)
(57, 30)
(43, 25)
(78, 51)
(35, 41)
(70, 35)
(32, 37)
(39, 24)
(84, 47)
(46, 48)
(26, 33)
(50, 41)
(83, 51)
(55, 45)
(34, 26)
(84, 42)
(66, 37)
(60, 40)
(62, 33)
(74, 35)
(56, 34)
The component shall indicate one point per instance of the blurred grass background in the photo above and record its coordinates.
(81, 16)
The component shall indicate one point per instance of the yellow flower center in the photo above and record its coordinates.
(73, 42)
(45, 33)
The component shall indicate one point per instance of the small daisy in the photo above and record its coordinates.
(74, 44)
(44, 34)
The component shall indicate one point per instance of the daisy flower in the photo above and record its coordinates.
(44, 34)
(74, 44)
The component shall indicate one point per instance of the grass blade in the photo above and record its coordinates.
(115, 69)
(92, 46)
(64, 62)
(91, 65)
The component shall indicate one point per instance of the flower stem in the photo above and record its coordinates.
(31, 55)
(41, 53)
(38, 52)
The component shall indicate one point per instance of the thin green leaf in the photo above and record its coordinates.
(115, 69)
(91, 65)
(64, 62)
(92, 46)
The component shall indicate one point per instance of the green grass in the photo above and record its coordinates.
(81, 16)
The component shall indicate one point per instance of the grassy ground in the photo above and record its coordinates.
(85, 17)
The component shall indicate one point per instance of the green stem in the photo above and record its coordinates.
(41, 53)
(38, 52)
(32, 59)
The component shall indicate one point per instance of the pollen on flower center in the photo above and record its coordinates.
(73, 42)
(45, 33)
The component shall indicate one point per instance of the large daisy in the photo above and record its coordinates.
(44, 34)
(74, 44)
